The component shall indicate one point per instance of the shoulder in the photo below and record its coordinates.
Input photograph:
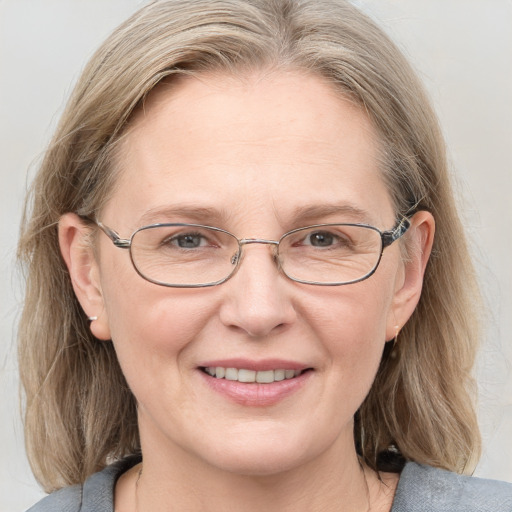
(96, 494)
(423, 488)
(68, 499)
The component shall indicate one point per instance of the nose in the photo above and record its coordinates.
(258, 298)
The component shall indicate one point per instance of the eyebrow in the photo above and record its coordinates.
(343, 212)
(299, 216)
(194, 213)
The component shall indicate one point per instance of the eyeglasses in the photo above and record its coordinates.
(192, 255)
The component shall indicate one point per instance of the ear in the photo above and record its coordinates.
(419, 240)
(78, 253)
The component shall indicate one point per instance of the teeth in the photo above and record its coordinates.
(279, 374)
(230, 374)
(250, 376)
(246, 376)
(265, 377)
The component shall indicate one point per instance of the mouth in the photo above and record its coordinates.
(261, 383)
(247, 376)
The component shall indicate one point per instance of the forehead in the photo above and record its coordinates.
(259, 103)
(266, 141)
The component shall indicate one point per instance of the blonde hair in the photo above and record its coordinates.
(79, 411)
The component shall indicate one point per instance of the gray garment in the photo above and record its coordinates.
(420, 489)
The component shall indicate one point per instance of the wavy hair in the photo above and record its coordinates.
(79, 412)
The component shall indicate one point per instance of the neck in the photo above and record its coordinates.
(331, 483)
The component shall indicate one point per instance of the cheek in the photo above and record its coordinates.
(152, 327)
(351, 316)
(351, 324)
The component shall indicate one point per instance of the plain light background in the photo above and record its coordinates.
(462, 50)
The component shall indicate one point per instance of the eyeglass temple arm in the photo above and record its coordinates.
(116, 239)
(388, 237)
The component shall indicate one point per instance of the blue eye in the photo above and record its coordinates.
(189, 240)
(321, 239)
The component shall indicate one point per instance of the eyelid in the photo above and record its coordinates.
(188, 232)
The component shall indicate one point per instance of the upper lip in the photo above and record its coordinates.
(256, 365)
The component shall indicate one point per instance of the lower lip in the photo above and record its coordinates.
(255, 394)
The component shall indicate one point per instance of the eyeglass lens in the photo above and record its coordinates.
(192, 255)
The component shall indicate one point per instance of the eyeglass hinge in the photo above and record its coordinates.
(121, 242)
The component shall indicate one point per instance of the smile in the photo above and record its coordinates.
(251, 376)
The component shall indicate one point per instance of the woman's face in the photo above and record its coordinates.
(258, 157)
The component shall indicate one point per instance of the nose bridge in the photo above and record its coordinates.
(257, 302)
(274, 244)
(247, 241)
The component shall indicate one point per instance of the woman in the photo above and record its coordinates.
(236, 213)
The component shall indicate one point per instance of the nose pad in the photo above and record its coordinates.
(236, 257)
(275, 256)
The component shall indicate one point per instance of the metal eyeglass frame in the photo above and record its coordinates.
(387, 238)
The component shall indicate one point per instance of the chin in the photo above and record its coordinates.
(268, 452)
(261, 464)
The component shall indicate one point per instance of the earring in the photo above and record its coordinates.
(394, 343)
(92, 318)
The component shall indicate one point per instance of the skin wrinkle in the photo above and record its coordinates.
(245, 84)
